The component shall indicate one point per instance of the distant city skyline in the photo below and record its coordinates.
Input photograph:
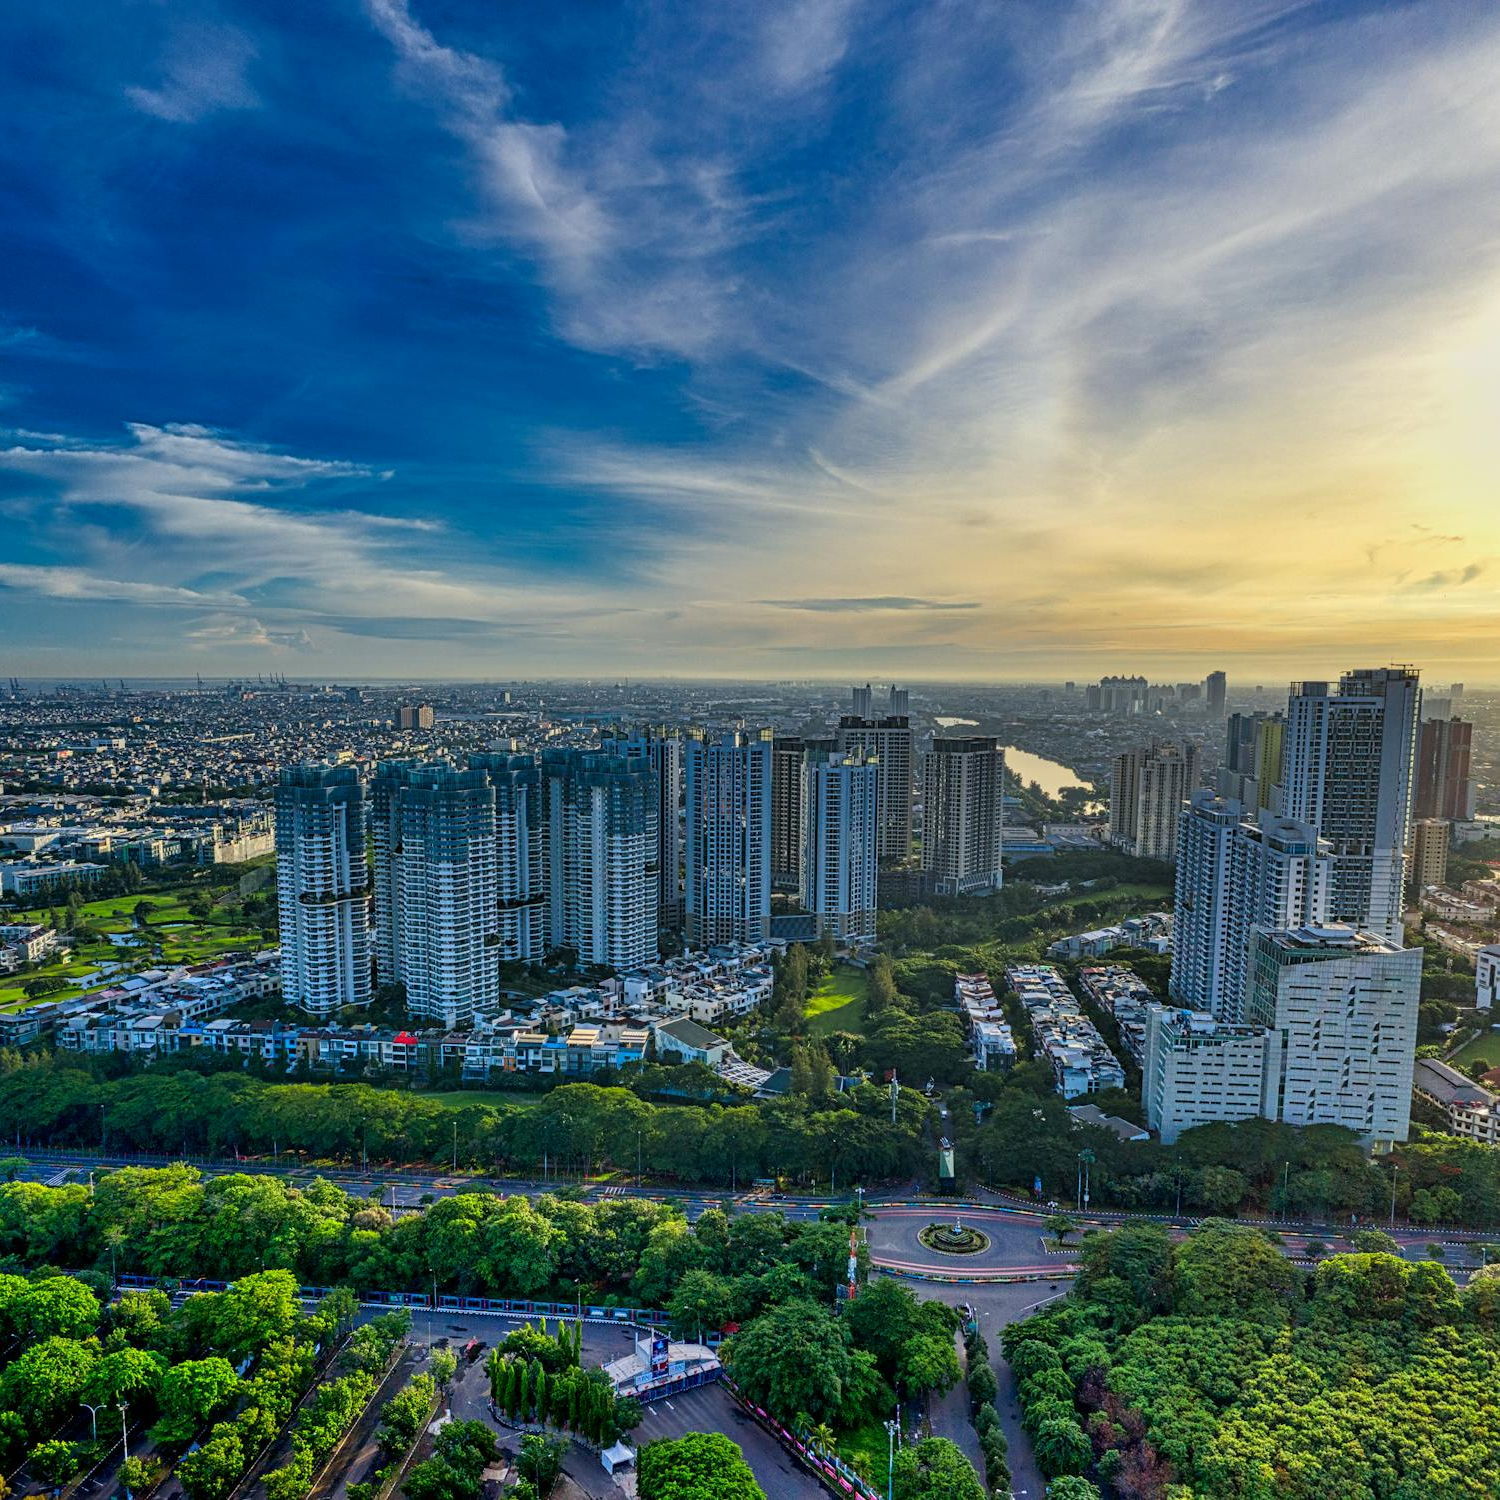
(832, 339)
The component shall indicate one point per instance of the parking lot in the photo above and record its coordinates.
(709, 1409)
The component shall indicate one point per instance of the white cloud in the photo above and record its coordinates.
(203, 72)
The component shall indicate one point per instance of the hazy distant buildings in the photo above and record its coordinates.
(1252, 758)
(727, 817)
(840, 862)
(322, 888)
(1444, 788)
(963, 799)
(414, 716)
(1348, 771)
(1147, 791)
(1215, 689)
(890, 743)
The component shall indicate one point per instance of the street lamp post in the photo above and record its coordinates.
(94, 1416)
(891, 1429)
(124, 1444)
(1286, 1187)
(1395, 1167)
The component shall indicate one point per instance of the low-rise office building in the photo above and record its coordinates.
(1472, 1111)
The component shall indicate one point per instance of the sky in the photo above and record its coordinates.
(961, 339)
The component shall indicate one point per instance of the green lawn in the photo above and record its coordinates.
(1134, 890)
(1485, 1045)
(184, 939)
(838, 1004)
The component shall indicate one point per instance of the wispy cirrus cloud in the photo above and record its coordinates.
(867, 605)
(202, 72)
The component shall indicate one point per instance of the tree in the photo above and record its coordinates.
(1062, 1447)
(192, 1393)
(702, 1302)
(1225, 1268)
(1060, 1226)
(125, 1375)
(796, 1358)
(45, 1382)
(254, 1311)
(541, 1460)
(54, 1462)
(212, 1471)
(928, 1363)
(1072, 1487)
(935, 1469)
(699, 1466)
(55, 1307)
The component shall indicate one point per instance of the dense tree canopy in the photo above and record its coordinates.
(700, 1466)
(1217, 1363)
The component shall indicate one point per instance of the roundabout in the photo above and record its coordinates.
(953, 1239)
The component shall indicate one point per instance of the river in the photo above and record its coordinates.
(1023, 765)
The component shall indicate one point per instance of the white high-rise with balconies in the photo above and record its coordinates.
(1347, 769)
(520, 870)
(727, 802)
(437, 874)
(662, 749)
(601, 846)
(322, 888)
(840, 855)
(1238, 870)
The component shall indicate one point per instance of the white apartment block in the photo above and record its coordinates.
(322, 888)
(1238, 870)
(661, 748)
(1348, 768)
(963, 813)
(841, 841)
(1487, 977)
(1341, 1007)
(727, 892)
(1148, 789)
(601, 846)
(1197, 1071)
(437, 886)
(520, 866)
(990, 1034)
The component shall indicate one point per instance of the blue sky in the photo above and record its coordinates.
(389, 337)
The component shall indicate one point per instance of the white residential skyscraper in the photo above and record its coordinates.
(1347, 770)
(438, 876)
(840, 862)
(322, 888)
(601, 848)
(963, 805)
(520, 869)
(662, 748)
(1238, 871)
(1148, 790)
(727, 801)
